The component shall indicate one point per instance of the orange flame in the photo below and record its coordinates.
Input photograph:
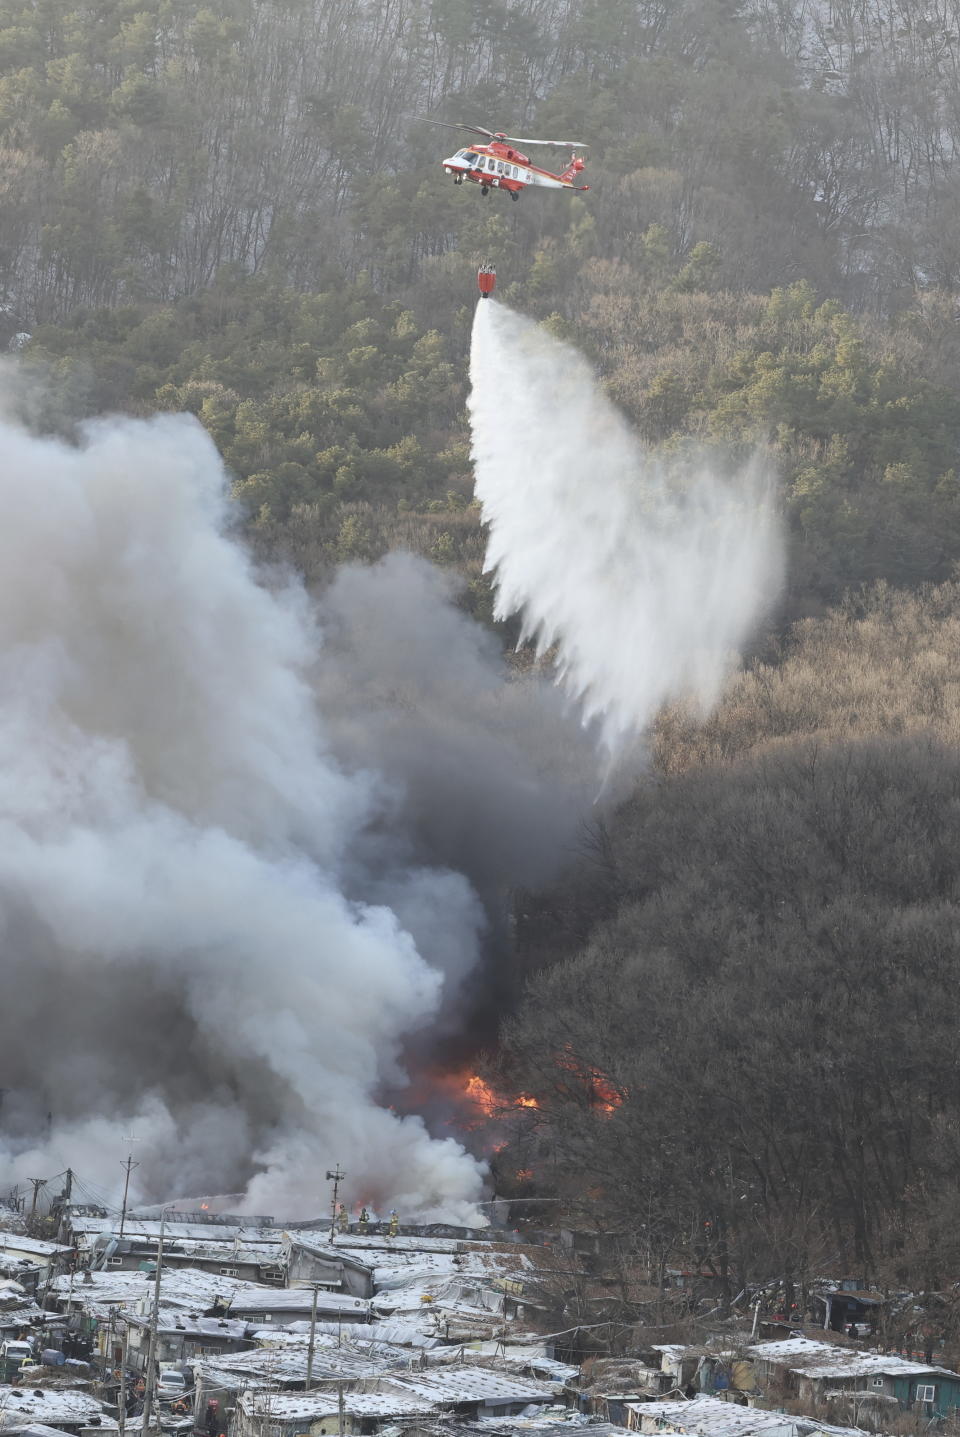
(489, 1101)
(602, 1094)
(481, 1094)
(204, 1207)
(523, 1175)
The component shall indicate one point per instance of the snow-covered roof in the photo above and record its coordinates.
(175, 1320)
(251, 1297)
(87, 1229)
(364, 1243)
(466, 1383)
(48, 1405)
(824, 1359)
(463, 1292)
(697, 1417)
(23, 1314)
(262, 1254)
(404, 1392)
(190, 1287)
(395, 1269)
(14, 1242)
(394, 1329)
(523, 1355)
(712, 1417)
(39, 1429)
(550, 1422)
(310, 1407)
(287, 1362)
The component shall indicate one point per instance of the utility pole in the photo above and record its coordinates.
(129, 1165)
(336, 1177)
(150, 1380)
(313, 1337)
(38, 1183)
(122, 1399)
(341, 1411)
(107, 1370)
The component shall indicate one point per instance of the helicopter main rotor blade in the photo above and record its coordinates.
(554, 144)
(446, 125)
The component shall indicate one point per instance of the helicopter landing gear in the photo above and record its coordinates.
(514, 194)
(484, 189)
(458, 179)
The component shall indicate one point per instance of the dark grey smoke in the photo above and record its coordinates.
(487, 771)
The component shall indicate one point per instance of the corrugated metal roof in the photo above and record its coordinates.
(85, 1229)
(55, 1405)
(298, 1407)
(712, 1417)
(476, 1384)
(13, 1241)
(286, 1363)
(23, 1314)
(252, 1297)
(189, 1287)
(823, 1359)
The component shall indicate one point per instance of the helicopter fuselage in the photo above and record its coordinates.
(498, 165)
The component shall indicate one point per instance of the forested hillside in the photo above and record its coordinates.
(753, 1055)
(234, 209)
(743, 1037)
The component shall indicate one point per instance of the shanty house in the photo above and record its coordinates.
(182, 1336)
(470, 1391)
(464, 1391)
(815, 1371)
(317, 1414)
(17, 1311)
(68, 1411)
(845, 1305)
(310, 1263)
(260, 1262)
(712, 1417)
(294, 1304)
(282, 1367)
(32, 1261)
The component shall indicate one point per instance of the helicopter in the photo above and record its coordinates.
(496, 163)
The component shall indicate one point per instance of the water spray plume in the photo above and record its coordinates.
(644, 584)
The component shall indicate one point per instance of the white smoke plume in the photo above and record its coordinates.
(181, 954)
(647, 583)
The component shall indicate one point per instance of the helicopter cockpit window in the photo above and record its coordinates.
(469, 156)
